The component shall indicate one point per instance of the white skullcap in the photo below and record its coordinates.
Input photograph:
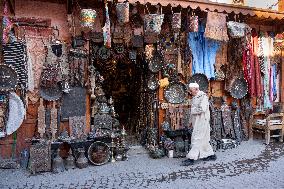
(193, 85)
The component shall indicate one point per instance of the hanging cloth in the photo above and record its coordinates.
(106, 29)
(248, 68)
(274, 81)
(41, 119)
(203, 52)
(195, 42)
(265, 44)
(210, 50)
(221, 59)
(255, 62)
(216, 27)
(7, 25)
(15, 56)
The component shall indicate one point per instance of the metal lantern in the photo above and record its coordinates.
(88, 17)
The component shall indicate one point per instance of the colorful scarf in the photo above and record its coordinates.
(255, 63)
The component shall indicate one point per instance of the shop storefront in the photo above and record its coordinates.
(90, 79)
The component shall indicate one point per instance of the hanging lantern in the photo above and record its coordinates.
(88, 17)
(122, 11)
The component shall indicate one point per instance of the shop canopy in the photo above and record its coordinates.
(206, 5)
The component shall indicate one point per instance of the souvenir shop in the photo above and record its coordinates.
(82, 81)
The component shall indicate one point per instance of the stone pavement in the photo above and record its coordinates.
(250, 165)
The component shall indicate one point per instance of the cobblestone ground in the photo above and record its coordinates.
(250, 165)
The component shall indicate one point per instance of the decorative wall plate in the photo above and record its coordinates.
(17, 113)
(201, 80)
(51, 93)
(175, 93)
(104, 53)
(8, 78)
(239, 88)
(155, 63)
(99, 153)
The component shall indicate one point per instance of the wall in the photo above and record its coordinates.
(12, 145)
(56, 12)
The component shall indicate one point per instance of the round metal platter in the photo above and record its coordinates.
(155, 63)
(99, 153)
(8, 78)
(104, 53)
(51, 93)
(175, 93)
(239, 88)
(201, 80)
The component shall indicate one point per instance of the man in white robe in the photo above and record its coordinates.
(200, 120)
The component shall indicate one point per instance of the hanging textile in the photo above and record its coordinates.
(216, 27)
(274, 81)
(210, 50)
(255, 63)
(234, 69)
(237, 122)
(203, 52)
(15, 56)
(35, 40)
(260, 53)
(265, 46)
(221, 60)
(216, 120)
(41, 119)
(227, 121)
(106, 28)
(248, 68)
(8, 35)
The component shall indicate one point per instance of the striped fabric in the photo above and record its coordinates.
(15, 55)
(261, 54)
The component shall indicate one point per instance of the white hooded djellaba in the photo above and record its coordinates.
(200, 119)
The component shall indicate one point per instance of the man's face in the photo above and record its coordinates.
(193, 91)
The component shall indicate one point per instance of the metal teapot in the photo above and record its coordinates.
(82, 161)
(70, 161)
(57, 163)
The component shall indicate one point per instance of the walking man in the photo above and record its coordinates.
(200, 120)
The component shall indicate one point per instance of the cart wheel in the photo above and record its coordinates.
(99, 153)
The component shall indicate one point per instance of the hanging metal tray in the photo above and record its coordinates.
(201, 80)
(156, 63)
(8, 78)
(239, 88)
(51, 93)
(175, 93)
(99, 153)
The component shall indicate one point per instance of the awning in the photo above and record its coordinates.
(212, 6)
